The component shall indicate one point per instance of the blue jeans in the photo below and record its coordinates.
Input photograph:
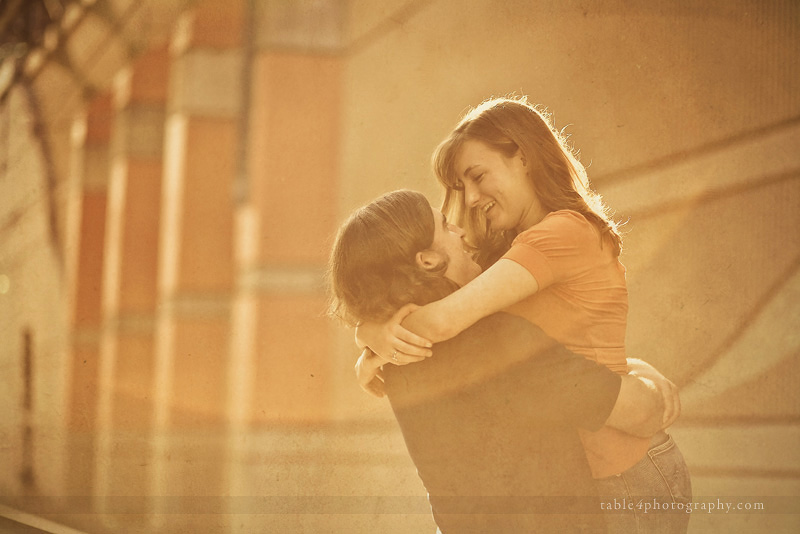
(643, 499)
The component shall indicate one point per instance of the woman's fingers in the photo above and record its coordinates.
(402, 358)
(397, 357)
(412, 350)
(409, 343)
(404, 335)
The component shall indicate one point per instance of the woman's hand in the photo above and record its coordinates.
(369, 374)
(393, 343)
(668, 390)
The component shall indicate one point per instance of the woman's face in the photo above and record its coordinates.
(498, 186)
(448, 242)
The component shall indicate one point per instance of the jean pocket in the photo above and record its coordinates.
(673, 469)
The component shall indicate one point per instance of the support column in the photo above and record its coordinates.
(92, 134)
(196, 261)
(286, 372)
(196, 274)
(290, 215)
(130, 274)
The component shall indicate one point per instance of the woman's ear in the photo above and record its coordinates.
(428, 259)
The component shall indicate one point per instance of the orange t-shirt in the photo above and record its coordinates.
(582, 303)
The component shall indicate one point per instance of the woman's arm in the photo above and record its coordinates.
(501, 285)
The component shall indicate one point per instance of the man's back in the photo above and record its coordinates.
(490, 421)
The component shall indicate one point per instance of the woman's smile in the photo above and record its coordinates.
(498, 186)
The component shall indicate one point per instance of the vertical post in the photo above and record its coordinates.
(196, 242)
(289, 219)
(130, 292)
(91, 140)
(283, 369)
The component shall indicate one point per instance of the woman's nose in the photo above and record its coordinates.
(471, 195)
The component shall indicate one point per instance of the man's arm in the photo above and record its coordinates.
(669, 391)
(561, 387)
(639, 409)
(591, 396)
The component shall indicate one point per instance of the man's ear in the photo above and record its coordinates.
(521, 157)
(428, 259)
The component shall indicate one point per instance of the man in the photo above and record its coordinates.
(490, 421)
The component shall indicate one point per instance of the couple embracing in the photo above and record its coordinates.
(496, 328)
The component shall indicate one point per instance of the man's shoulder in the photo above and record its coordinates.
(485, 351)
(492, 347)
(503, 334)
(503, 320)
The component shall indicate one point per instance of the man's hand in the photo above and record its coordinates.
(668, 390)
(639, 407)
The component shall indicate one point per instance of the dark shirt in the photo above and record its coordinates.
(490, 422)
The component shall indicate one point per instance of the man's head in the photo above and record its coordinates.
(393, 251)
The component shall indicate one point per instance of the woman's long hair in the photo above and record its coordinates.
(372, 271)
(559, 179)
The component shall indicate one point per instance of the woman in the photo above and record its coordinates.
(552, 257)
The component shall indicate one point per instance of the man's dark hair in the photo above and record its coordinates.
(372, 271)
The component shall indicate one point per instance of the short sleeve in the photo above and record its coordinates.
(560, 247)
